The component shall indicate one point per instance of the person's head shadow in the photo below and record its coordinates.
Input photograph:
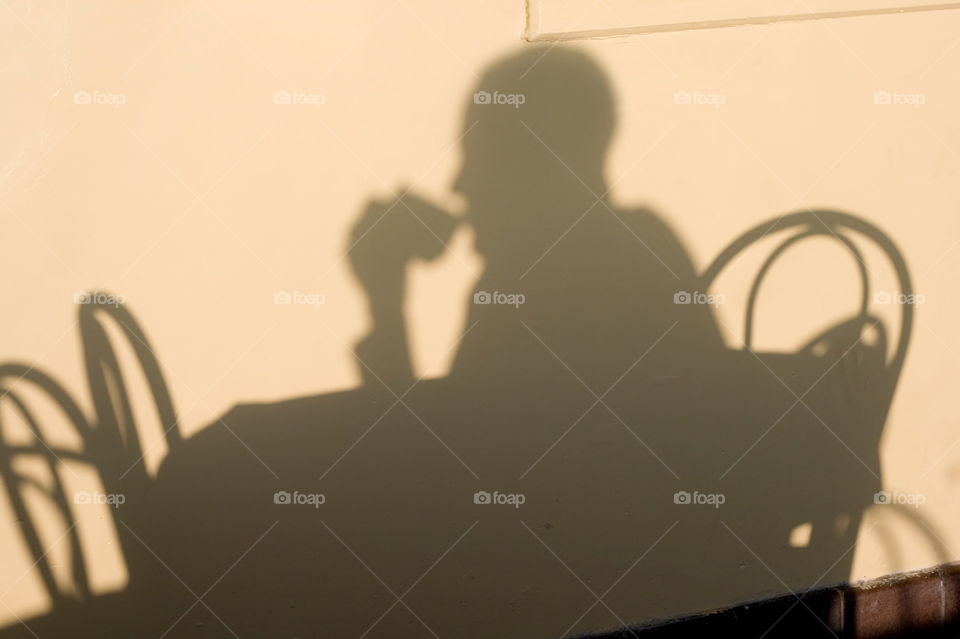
(596, 447)
(535, 138)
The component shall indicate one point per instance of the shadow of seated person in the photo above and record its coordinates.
(539, 476)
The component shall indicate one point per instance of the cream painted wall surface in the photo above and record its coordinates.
(151, 151)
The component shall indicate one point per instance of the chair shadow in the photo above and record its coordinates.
(597, 455)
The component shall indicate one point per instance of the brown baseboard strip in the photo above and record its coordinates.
(903, 606)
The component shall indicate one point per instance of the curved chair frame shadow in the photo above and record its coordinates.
(831, 223)
(110, 441)
(834, 225)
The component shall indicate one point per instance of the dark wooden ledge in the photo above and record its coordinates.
(910, 605)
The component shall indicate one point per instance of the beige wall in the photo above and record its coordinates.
(198, 198)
